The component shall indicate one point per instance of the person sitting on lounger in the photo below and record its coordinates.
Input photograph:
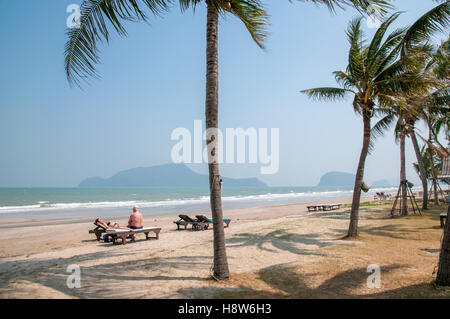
(136, 219)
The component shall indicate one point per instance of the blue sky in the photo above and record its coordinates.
(154, 81)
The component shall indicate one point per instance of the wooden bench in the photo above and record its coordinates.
(123, 234)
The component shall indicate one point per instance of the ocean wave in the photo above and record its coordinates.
(266, 197)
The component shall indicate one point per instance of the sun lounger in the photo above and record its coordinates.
(314, 208)
(208, 221)
(324, 207)
(185, 221)
(98, 231)
(124, 233)
(330, 207)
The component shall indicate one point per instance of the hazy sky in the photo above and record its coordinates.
(154, 81)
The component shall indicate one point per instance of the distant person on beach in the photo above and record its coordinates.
(134, 222)
(136, 219)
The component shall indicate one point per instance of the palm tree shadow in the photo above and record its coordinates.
(107, 280)
(285, 282)
(390, 230)
(283, 240)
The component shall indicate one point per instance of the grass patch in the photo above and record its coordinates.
(369, 204)
(406, 248)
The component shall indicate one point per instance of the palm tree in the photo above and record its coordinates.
(435, 71)
(436, 20)
(434, 123)
(402, 130)
(81, 55)
(425, 161)
(401, 135)
(373, 72)
(407, 105)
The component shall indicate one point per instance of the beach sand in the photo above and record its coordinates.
(273, 252)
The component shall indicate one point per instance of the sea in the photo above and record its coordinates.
(75, 203)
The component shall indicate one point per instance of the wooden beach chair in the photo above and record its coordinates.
(327, 207)
(185, 221)
(124, 233)
(208, 221)
(98, 231)
(323, 207)
(314, 208)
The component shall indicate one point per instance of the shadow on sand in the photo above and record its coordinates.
(285, 282)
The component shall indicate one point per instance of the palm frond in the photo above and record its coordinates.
(363, 6)
(187, 4)
(387, 54)
(382, 125)
(326, 93)
(344, 79)
(356, 65)
(435, 20)
(81, 51)
(254, 17)
(377, 39)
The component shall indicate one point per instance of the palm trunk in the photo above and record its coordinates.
(354, 214)
(433, 176)
(422, 171)
(211, 112)
(404, 208)
(443, 274)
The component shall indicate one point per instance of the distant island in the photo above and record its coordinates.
(167, 175)
(335, 179)
(341, 179)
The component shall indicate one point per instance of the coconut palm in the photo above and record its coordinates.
(98, 16)
(435, 123)
(373, 73)
(435, 72)
(427, 164)
(435, 20)
(410, 105)
(81, 55)
(406, 105)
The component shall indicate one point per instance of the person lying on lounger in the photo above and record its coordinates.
(108, 225)
(134, 222)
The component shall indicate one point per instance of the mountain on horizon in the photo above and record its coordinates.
(341, 179)
(166, 175)
(337, 179)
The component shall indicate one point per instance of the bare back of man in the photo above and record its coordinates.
(136, 219)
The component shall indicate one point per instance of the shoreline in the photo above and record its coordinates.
(7, 222)
(57, 236)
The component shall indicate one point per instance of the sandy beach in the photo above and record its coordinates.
(262, 242)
